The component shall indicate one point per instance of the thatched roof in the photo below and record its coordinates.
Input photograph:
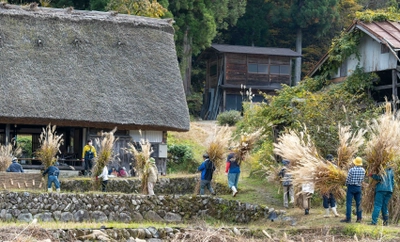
(89, 69)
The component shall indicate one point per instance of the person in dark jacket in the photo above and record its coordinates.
(207, 169)
(15, 166)
(383, 193)
(288, 190)
(233, 171)
(53, 173)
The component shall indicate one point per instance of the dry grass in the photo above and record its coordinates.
(349, 144)
(246, 143)
(104, 155)
(218, 146)
(7, 152)
(381, 149)
(50, 143)
(142, 164)
(295, 146)
(306, 165)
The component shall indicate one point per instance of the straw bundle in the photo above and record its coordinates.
(140, 153)
(104, 155)
(7, 152)
(394, 202)
(246, 143)
(217, 148)
(382, 148)
(142, 157)
(308, 166)
(294, 146)
(50, 144)
(349, 143)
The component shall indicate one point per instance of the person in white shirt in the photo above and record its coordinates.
(104, 179)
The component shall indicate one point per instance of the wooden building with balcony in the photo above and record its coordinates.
(232, 70)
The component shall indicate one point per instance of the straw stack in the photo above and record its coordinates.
(294, 146)
(349, 144)
(308, 166)
(246, 143)
(50, 144)
(218, 146)
(142, 158)
(7, 152)
(382, 149)
(104, 155)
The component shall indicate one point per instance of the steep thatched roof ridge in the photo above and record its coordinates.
(89, 69)
(81, 15)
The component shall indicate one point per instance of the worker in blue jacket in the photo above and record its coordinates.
(53, 173)
(207, 169)
(383, 193)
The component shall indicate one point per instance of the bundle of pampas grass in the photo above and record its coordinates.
(105, 154)
(308, 165)
(218, 146)
(7, 152)
(394, 209)
(382, 148)
(140, 152)
(349, 144)
(294, 145)
(246, 143)
(50, 143)
(142, 160)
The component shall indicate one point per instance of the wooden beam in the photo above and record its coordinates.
(383, 87)
(394, 83)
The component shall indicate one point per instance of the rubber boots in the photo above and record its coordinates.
(335, 211)
(234, 191)
(326, 213)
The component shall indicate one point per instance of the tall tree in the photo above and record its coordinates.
(197, 23)
(317, 15)
(147, 8)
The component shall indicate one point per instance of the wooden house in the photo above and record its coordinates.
(88, 72)
(377, 51)
(232, 70)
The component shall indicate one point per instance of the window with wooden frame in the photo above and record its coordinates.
(257, 68)
(279, 69)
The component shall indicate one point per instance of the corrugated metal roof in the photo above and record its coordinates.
(255, 50)
(386, 32)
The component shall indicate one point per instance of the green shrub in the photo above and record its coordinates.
(229, 117)
(181, 159)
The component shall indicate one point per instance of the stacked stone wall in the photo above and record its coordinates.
(182, 185)
(64, 207)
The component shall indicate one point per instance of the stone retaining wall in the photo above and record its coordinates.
(140, 234)
(182, 185)
(25, 206)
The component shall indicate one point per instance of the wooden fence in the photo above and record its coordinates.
(13, 180)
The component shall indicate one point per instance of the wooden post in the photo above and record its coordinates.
(394, 83)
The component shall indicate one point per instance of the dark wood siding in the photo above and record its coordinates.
(237, 69)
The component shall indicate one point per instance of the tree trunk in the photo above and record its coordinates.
(297, 74)
(186, 62)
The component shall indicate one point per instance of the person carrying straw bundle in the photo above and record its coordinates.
(288, 190)
(383, 193)
(232, 170)
(354, 181)
(207, 169)
(329, 199)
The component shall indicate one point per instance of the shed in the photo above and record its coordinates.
(233, 70)
(378, 51)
